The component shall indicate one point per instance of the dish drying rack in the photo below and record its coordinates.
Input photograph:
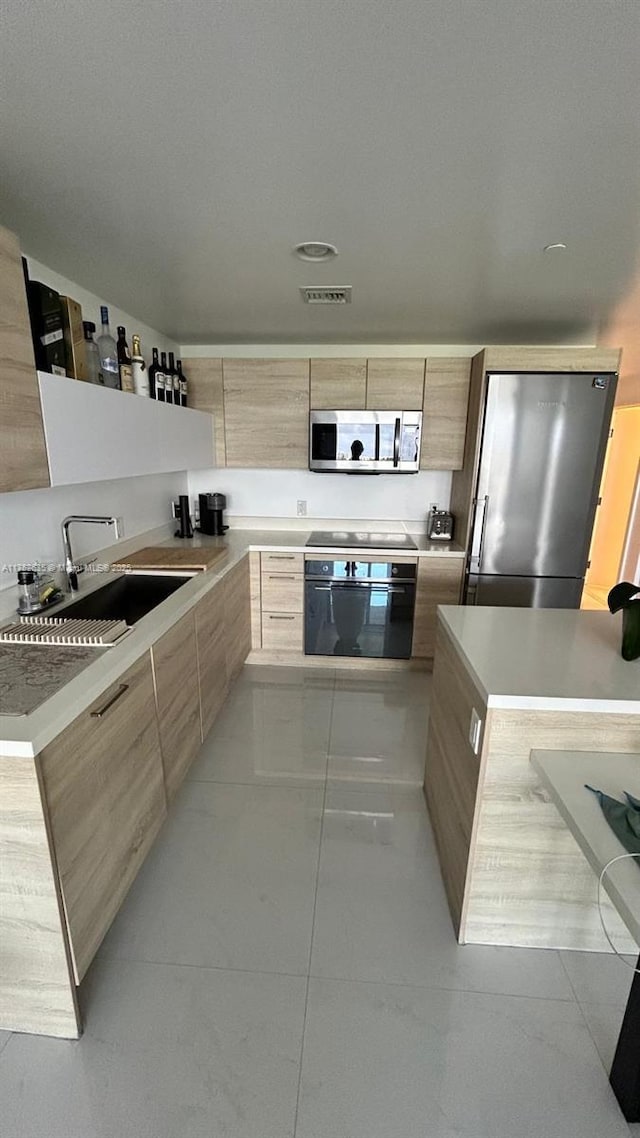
(64, 631)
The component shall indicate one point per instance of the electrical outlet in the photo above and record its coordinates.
(475, 730)
(301, 508)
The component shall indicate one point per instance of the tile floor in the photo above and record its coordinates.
(285, 963)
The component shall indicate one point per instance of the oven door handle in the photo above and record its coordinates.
(396, 443)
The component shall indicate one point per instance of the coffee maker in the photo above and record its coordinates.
(212, 507)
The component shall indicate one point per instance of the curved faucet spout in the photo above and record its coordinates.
(71, 569)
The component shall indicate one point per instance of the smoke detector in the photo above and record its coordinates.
(315, 251)
(326, 294)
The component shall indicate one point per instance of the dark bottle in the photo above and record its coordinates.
(161, 379)
(153, 371)
(124, 361)
(175, 382)
(183, 384)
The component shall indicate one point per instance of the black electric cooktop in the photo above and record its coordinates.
(339, 539)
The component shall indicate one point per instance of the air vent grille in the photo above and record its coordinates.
(327, 294)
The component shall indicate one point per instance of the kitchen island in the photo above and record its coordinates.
(506, 682)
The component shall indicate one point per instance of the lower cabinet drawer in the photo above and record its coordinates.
(282, 592)
(282, 630)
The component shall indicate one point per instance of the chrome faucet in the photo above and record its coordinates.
(71, 569)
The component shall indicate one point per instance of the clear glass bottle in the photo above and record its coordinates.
(108, 352)
(124, 361)
(91, 354)
(139, 368)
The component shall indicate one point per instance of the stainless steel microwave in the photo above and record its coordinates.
(365, 442)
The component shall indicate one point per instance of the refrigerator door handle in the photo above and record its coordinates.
(396, 443)
(479, 523)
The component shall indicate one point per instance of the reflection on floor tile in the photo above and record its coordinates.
(381, 1060)
(381, 911)
(167, 1052)
(230, 883)
(378, 733)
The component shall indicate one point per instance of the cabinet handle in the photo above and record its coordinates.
(110, 702)
(281, 557)
(282, 576)
(273, 616)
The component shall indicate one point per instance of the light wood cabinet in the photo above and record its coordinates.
(175, 669)
(282, 592)
(444, 420)
(23, 456)
(282, 562)
(395, 384)
(105, 796)
(282, 631)
(212, 663)
(439, 583)
(204, 376)
(338, 384)
(237, 617)
(266, 411)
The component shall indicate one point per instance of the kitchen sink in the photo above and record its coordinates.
(128, 598)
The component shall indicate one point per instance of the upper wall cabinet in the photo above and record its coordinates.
(338, 384)
(94, 433)
(205, 394)
(395, 384)
(444, 423)
(23, 458)
(266, 413)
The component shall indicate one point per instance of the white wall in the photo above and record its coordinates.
(30, 519)
(274, 493)
(90, 304)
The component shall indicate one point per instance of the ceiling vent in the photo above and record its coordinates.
(327, 294)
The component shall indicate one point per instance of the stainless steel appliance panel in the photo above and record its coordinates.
(365, 442)
(525, 592)
(543, 446)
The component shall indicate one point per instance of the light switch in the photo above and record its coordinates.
(475, 730)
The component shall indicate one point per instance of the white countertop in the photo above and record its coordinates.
(546, 659)
(26, 735)
(563, 774)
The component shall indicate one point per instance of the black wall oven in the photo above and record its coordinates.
(359, 608)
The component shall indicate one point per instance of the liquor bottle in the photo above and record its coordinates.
(124, 361)
(91, 354)
(161, 379)
(108, 352)
(183, 384)
(153, 372)
(175, 381)
(139, 368)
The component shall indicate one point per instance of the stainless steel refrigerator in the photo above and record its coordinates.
(542, 451)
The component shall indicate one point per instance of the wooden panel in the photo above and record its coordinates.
(444, 423)
(212, 667)
(282, 592)
(205, 393)
(172, 557)
(395, 384)
(282, 631)
(266, 409)
(439, 581)
(37, 987)
(298, 659)
(516, 358)
(452, 770)
(106, 801)
(23, 457)
(464, 480)
(175, 669)
(255, 586)
(283, 562)
(530, 884)
(237, 617)
(339, 385)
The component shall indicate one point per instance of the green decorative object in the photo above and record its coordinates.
(626, 596)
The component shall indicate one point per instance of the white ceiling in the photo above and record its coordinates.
(167, 154)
